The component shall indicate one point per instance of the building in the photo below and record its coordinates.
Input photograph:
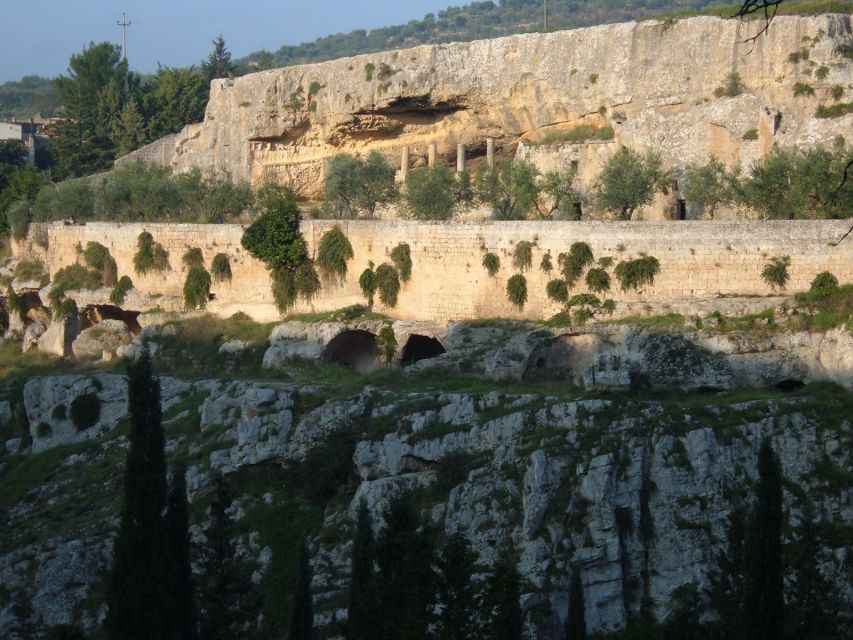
(23, 131)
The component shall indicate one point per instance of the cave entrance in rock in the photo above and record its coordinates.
(96, 313)
(420, 347)
(355, 349)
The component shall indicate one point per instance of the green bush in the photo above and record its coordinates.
(63, 308)
(284, 290)
(608, 307)
(307, 281)
(751, 134)
(18, 216)
(386, 344)
(708, 186)
(824, 284)
(545, 264)
(75, 277)
(836, 92)
(275, 238)
(557, 290)
(522, 257)
(69, 200)
(775, 272)
(197, 288)
(581, 133)
(401, 256)
(431, 192)
(491, 263)
(367, 283)
(516, 290)
(14, 302)
(509, 188)
(85, 411)
(833, 111)
(98, 257)
(332, 254)
(633, 274)
(629, 181)
(29, 270)
(598, 280)
(732, 87)
(583, 300)
(803, 89)
(150, 255)
(220, 268)
(356, 186)
(193, 258)
(388, 284)
(573, 263)
(119, 292)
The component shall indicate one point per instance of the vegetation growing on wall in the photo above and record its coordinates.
(197, 288)
(120, 291)
(150, 256)
(401, 256)
(557, 290)
(824, 284)
(641, 272)
(367, 283)
(307, 280)
(388, 284)
(545, 264)
(522, 256)
(775, 272)
(386, 344)
(516, 291)
(193, 257)
(598, 280)
(491, 263)
(220, 268)
(573, 263)
(332, 254)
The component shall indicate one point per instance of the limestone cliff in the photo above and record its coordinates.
(653, 81)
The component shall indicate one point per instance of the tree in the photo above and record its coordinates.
(431, 193)
(629, 181)
(509, 188)
(136, 192)
(69, 200)
(218, 63)
(561, 196)
(357, 186)
(274, 238)
(576, 622)
(456, 593)
(708, 186)
(178, 533)
(763, 575)
(130, 134)
(175, 98)
(81, 145)
(363, 609)
(503, 606)
(139, 606)
(302, 613)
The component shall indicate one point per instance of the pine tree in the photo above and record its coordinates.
(457, 593)
(139, 607)
(576, 622)
(763, 584)
(362, 606)
(130, 133)
(302, 614)
(218, 63)
(503, 604)
(177, 524)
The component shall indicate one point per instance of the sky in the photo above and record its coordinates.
(39, 37)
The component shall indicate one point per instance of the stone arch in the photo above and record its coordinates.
(353, 348)
(96, 313)
(419, 347)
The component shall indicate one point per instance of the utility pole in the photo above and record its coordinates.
(124, 24)
(546, 16)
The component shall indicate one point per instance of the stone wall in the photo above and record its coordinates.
(698, 260)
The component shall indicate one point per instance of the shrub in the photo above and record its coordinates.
(605, 262)
(369, 68)
(708, 186)
(751, 134)
(69, 200)
(386, 344)
(583, 300)
(580, 133)
(732, 86)
(197, 288)
(824, 284)
(220, 268)
(608, 307)
(516, 290)
(575, 261)
(629, 181)
(14, 302)
(401, 256)
(29, 270)
(75, 277)
(834, 111)
(557, 290)
(822, 72)
(193, 258)
(598, 280)
(332, 254)
(388, 284)
(85, 411)
(491, 263)
(63, 309)
(18, 216)
(137, 192)
(367, 283)
(633, 274)
(150, 255)
(431, 192)
(522, 257)
(119, 292)
(836, 92)
(545, 264)
(275, 238)
(98, 257)
(283, 289)
(775, 272)
(509, 188)
(306, 281)
(356, 186)
(803, 89)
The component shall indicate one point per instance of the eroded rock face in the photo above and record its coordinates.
(652, 81)
(101, 340)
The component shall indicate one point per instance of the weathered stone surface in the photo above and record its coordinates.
(102, 339)
(32, 333)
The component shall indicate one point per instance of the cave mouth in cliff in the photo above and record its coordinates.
(96, 313)
(420, 347)
(789, 385)
(354, 349)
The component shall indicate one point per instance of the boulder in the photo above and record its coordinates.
(32, 333)
(102, 340)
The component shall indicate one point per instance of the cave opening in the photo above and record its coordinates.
(420, 347)
(354, 349)
(99, 312)
(789, 385)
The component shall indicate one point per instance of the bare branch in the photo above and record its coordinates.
(767, 7)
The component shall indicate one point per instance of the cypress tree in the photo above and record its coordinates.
(139, 607)
(763, 585)
(725, 592)
(302, 614)
(503, 603)
(457, 594)
(362, 607)
(177, 523)
(576, 621)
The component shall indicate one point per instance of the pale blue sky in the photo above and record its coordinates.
(39, 37)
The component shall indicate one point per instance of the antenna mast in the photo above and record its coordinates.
(124, 24)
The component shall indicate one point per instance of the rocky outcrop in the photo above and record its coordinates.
(654, 82)
(101, 341)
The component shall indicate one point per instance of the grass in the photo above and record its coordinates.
(581, 133)
(804, 8)
(664, 321)
(824, 312)
(834, 111)
(30, 270)
(347, 314)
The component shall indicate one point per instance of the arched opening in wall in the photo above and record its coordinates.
(99, 312)
(420, 347)
(30, 301)
(787, 386)
(355, 349)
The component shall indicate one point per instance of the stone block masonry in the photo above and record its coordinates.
(698, 260)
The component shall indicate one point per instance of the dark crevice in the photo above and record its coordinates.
(354, 349)
(421, 348)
